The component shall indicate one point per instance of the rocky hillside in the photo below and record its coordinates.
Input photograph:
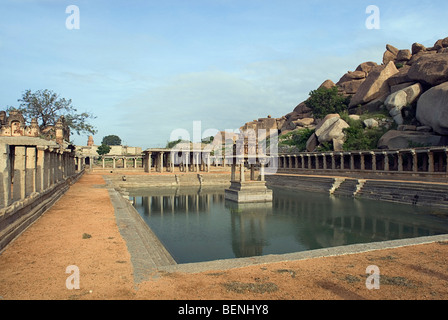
(409, 87)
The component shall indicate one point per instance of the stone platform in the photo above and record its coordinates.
(247, 192)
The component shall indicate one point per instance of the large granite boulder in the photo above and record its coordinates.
(334, 132)
(327, 84)
(302, 111)
(432, 108)
(404, 55)
(326, 123)
(351, 86)
(431, 69)
(312, 143)
(375, 85)
(400, 77)
(395, 139)
(390, 54)
(366, 66)
(417, 48)
(330, 128)
(400, 99)
(304, 122)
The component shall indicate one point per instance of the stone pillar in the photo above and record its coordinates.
(147, 162)
(309, 162)
(114, 164)
(302, 161)
(233, 172)
(59, 166)
(5, 176)
(316, 161)
(386, 161)
(124, 162)
(40, 169)
(400, 161)
(242, 178)
(135, 163)
(30, 172)
(19, 182)
(414, 161)
(373, 161)
(53, 167)
(195, 162)
(352, 161)
(262, 163)
(208, 163)
(160, 161)
(362, 159)
(47, 169)
(64, 165)
(324, 159)
(252, 172)
(430, 161)
(333, 162)
(342, 161)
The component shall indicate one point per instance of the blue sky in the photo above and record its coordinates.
(146, 68)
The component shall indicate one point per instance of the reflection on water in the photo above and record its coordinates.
(200, 225)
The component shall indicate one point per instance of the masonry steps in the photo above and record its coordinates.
(346, 188)
(402, 192)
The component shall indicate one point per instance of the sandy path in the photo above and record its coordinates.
(34, 266)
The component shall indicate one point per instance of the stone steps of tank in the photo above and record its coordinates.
(346, 188)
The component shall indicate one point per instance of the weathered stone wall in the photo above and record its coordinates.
(34, 173)
(172, 180)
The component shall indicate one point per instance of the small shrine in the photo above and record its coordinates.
(247, 153)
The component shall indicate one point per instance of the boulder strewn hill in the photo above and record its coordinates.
(409, 87)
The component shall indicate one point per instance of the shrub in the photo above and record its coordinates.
(360, 138)
(297, 138)
(325, 101)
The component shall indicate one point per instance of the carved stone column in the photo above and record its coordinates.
(19, 182)
(5, 176)
(430, 161)
(30, 171)
(414, 161)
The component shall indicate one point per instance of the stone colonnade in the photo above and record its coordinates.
(123, 159)
(252, 163)
(163, 160)
(28, 169)
(418, 160)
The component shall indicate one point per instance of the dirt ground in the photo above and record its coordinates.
(80, 230)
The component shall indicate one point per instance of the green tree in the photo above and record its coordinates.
(172, 144)
(208, 140)
(325, 101)
(46, 106)
(111, 140)
(103, 149)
